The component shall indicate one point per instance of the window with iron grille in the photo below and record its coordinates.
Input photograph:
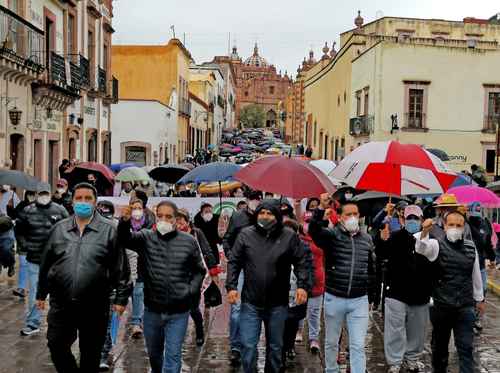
(415, 108)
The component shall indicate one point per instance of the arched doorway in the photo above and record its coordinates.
(17, 151)
(92, 145)
(271, 118)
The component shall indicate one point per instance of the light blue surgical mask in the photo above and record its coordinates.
(83, 210)
(413, 226)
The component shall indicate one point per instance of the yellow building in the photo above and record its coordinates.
(157, 73)
(430, 82)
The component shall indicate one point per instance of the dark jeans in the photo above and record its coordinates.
(197, 318)
(295, 314)
(251, 319)
(88, 321)
(444, 321)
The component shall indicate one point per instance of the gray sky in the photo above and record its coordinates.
(284, 29)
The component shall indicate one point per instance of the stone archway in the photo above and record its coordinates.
(71, 139)
(271, 118)
(17, 151)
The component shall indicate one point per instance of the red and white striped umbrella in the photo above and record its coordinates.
(391, 167)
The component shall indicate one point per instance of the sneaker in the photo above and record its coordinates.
(394, 369)
(314, 347)
(21, 293)
(104, 366)
(11, 271)
(29, 330)
(235, 358)
(136, 332)
(414, 366)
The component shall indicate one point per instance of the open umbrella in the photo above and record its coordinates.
(286, 176)
(441, 154)
(324, 165)
(216, 171)
(102, 173)
(117, 167)
(187, 165)
(132, 174)
(467, 194)
(169, 173)
(18, 179)
(394, 168)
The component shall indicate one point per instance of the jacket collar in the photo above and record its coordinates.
(92, 225)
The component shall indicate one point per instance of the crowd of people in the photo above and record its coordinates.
(325, 266)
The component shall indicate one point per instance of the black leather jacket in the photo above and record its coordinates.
(238, 221)
(33, 227)
(86, 267)
(173, 271)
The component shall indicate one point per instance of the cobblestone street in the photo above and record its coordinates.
(30, 354)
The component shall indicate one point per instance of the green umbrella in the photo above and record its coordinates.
(132, 174)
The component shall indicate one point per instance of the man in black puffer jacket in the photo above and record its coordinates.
(173, 273)
(265, 252)
(33, 227)
(350, 281)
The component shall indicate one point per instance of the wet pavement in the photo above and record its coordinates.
(30, 355)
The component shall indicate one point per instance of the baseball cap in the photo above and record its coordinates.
(413, 210)
(43, 188)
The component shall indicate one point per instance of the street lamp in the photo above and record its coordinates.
(15, 116)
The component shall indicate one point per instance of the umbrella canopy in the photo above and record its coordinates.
(187, 165)
(441, 154)
(132, 174)
(376, 195)
(169, 173)
(18, 179)
(394, 168)
(216, 171)
(463, 180)
(286, 176)
(117, 167)
(103, 174)
(471, 193)
(324, 165)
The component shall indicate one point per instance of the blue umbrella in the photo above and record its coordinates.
(462, 180)
(211, 172)
(117, 167)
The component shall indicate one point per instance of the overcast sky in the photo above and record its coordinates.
(284, 29)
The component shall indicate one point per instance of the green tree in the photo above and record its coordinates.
(252, 116)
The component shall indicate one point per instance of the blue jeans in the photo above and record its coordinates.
(484, 277)
(33, 316)
(234, 320)
(251, 319)
(355, 312)
(22, 276)
(164, 335)
(314, 317)
(137, 304)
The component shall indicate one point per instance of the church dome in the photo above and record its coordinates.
(255, 59)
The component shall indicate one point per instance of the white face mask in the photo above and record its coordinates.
(207, 217)
(61, 191)
(454, 234)
(137, 214)
(43, 200)
(352, 224)
(164, 227)
(348, 196)
(253, 204)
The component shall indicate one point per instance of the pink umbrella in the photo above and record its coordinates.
(467, 194)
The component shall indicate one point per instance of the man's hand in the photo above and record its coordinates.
(324, 201)
(492, 264)
(426, 227)
(385, 233)
(233, 297)
(40, 304)
(389, 208)
(300, 296)
(119, 309)
(481, 307)
(126, 213)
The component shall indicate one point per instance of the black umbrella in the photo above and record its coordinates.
(168, 173)
(370, 203)
(18, 179)
(441, 154)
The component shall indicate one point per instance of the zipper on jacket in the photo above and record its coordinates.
(75, 265)
(352, 265)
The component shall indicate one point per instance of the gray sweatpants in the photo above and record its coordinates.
(404, 331)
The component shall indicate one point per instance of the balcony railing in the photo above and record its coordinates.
(20, 41)
(415, 121)
(101, 80)
(361, 126)
(85, 71)
(58, 74)
(490, 122)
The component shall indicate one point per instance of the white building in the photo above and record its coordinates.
(145, 132)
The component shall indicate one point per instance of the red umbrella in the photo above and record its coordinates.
(102, 173)
(289, 177)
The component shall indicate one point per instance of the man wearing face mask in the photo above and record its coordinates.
(457, 285)
(265, 253)
(173, 274)
(350, 281)
(62, 196)
(407, 293)
(239, 220)
(33, 228)
(8, 200)
(81, 265)
(208, 223)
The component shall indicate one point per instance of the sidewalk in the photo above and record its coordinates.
(494, 281)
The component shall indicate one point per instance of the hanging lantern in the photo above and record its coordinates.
(15, 116)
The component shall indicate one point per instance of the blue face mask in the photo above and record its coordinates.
(83, 210)
(413, 226)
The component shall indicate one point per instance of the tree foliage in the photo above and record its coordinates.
(252, 116)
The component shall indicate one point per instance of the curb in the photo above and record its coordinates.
(494, 287)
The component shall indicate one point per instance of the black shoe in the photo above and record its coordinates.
(478, 326)
(21, 293)
(235, 358)
(200, 341)
(12, 271)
